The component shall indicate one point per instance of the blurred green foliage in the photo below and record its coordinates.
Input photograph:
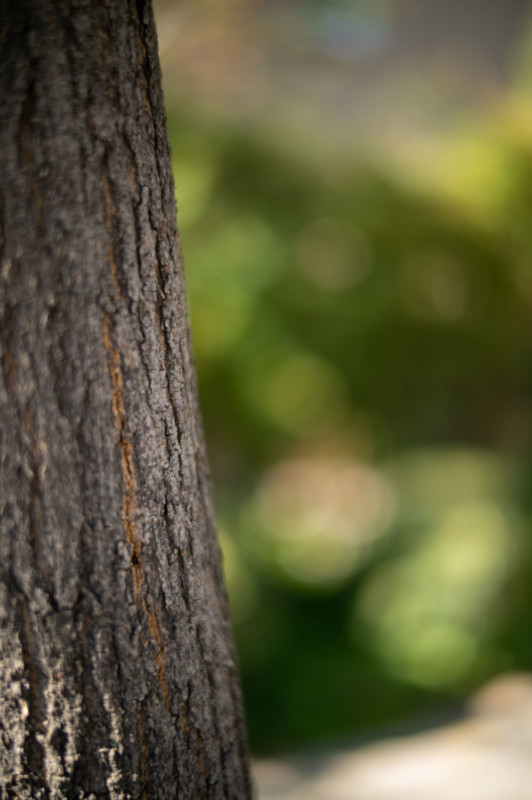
(363, 334)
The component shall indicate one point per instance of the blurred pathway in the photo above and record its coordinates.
(487, 756)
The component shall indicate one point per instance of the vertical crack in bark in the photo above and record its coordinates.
(240, 726)
(166, 345)
(140, 9)
(35, 515)
(126, 457)
(182, 576)
(152, 94)
(6, 352)
(159, 658)
(214, 708)
(33, 748)
(128, 504)
(143, 752)
(193, 735)
(134, 169)
(110, 221)
(26, 150)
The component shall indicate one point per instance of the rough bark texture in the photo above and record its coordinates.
(117, 670)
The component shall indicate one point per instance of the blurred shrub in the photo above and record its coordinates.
(363, 347)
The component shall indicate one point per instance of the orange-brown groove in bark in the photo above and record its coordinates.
(126, 457)
(199, 759)
(128, 504)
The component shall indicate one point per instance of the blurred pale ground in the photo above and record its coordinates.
(354, 183)
(485, 756)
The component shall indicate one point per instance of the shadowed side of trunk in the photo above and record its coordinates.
(117, 669)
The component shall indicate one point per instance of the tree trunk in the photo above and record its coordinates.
(117, 668)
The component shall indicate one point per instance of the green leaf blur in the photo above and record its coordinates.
(363, 340)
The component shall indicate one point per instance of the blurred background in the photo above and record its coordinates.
(354, 184)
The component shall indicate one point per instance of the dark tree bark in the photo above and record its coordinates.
(117, 669)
